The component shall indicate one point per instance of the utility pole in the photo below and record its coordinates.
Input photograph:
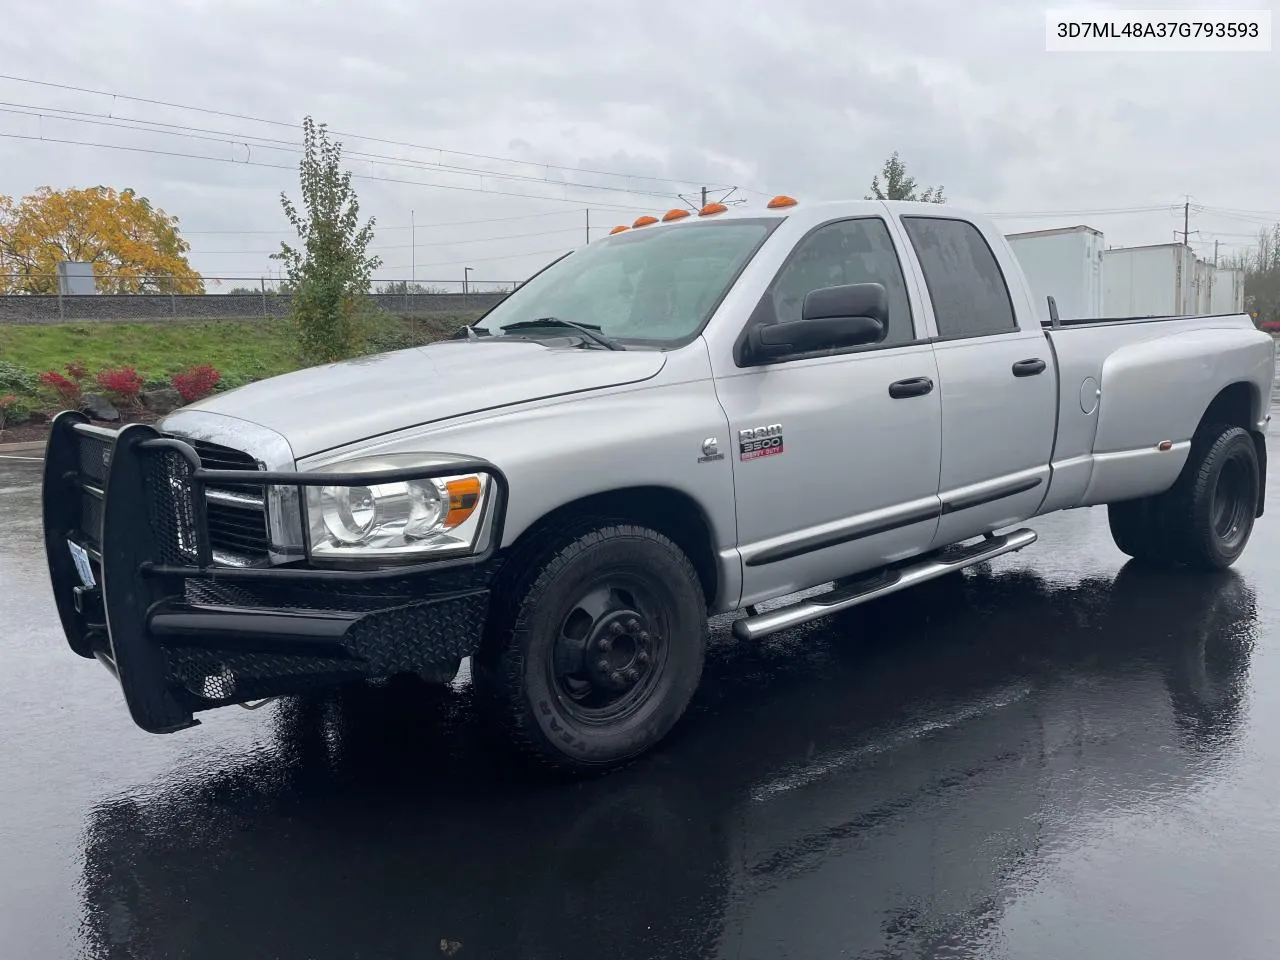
(413, 250)
(588, 212)
(1213, 277)
(728, 192)
(1186, 220)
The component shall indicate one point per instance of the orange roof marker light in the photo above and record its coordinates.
(618, 229)
(676, 214)
(781, 200)
(644, 221)
(711, 208)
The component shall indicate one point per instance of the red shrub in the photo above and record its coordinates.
(122, 385)
(196, 383)
(68, 391)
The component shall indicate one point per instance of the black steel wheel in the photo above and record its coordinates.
(595, 647)
(1233, 503)
(1211, 509)
(610, 649)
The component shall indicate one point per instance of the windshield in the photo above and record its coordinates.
(657, 284)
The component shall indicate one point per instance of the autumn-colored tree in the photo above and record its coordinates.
(899, 186)
(133, 246)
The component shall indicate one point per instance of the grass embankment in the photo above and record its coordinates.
(241, 350)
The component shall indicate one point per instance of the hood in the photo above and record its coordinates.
(323, 407)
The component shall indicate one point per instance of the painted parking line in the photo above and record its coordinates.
(32, 459)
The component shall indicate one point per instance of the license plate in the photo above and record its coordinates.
(83, 568)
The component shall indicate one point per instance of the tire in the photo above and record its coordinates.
(595, 647)
(1210, 510)
(1135, 528)
(1205, 519)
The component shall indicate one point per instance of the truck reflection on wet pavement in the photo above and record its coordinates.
(1058, 756)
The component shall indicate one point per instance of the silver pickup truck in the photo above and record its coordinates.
(693, 416)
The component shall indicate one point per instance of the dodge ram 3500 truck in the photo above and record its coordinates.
(690, 417)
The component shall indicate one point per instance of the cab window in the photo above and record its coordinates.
(844, 252)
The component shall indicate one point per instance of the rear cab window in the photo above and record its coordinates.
(968, 289)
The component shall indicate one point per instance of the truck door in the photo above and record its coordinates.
(835, 457)
(996, 378)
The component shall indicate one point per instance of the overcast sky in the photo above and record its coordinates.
(806, 97)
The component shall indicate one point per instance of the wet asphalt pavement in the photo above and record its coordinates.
(1057, 757)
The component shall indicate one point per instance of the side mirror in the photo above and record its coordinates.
(851, 315)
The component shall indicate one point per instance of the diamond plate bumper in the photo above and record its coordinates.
(127, 543)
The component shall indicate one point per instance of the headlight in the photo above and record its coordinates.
(403, 520)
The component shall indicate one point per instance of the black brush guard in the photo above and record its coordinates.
(182, 634)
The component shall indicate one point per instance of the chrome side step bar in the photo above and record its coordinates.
(874, 585)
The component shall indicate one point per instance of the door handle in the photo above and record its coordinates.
(1028, 368)
(915, 387)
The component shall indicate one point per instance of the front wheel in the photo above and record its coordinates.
(595, 648)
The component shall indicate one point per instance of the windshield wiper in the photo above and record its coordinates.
(587, 330)
(468, 332)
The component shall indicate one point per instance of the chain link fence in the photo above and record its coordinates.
(241, 297)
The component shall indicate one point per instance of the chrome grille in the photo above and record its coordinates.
(236, 513)
(93, 455)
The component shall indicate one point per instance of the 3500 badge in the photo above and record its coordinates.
(757, 442)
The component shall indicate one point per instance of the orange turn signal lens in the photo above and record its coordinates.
(618, 229)
(781, 200)
(711, 208)
(644, 221)
(464, 496)
(676, 214)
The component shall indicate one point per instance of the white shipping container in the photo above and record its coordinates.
(1152, 281)
(1228, 291)
(1204, 287)
(1066, 264)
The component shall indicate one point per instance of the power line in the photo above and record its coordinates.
(509, 256)
(285, 146)
(1237, 210)
(360, 176)
(1262, 218)
(336, 133)
(726, 193)
(565, 213)
(1228, 233)
(380, 229)
(408, 246)
(1103, 211)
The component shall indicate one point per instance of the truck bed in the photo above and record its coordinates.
(1115, 408)
(1105, 321)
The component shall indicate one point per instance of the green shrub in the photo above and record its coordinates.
(230, 381)
(385, 341)
(18, 380)
(13, 410)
